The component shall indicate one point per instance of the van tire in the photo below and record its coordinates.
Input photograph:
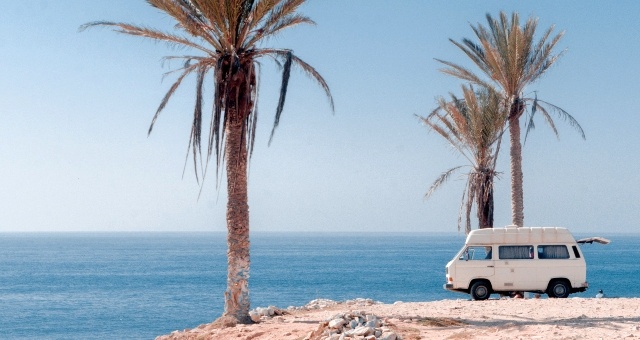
(558, 289)
(480, 290)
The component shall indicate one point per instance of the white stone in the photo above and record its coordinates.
(337, 323)
(363, 331)
(255, 317)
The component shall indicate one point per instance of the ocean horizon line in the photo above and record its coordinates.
(273, 232)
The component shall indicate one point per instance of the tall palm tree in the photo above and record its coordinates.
(508, 55)
(473, 126)
(227, 37)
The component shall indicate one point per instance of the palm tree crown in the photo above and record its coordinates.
(506, 53)
(473, 126)
(227, 33)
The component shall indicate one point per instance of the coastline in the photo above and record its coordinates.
(571, 318)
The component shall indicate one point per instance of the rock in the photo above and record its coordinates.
(353, 324)
(339, 316)
(270, 311)
(362, 331)
(255, 317)
(374, 323)
(337, 323)
(388, 336)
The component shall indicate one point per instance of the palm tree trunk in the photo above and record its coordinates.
(517, 201)
(236, 303)
(485, 201)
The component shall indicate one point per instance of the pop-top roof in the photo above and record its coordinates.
(524, 235)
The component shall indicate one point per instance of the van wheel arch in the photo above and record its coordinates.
(480, 289)
(559, 288)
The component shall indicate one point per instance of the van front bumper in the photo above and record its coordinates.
(448, 286)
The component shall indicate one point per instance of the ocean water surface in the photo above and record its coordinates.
(141, 285)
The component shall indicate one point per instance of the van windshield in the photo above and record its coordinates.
(476, 253)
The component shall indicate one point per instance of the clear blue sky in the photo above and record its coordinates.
(75, 108)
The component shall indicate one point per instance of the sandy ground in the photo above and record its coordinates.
(572, 318)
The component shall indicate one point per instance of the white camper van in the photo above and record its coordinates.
(511, 259)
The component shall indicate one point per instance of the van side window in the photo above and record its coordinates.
(553, 252)
(576, 252)
(476, 253)
(515, 252)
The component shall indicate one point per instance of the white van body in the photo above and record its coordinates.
(512, 259)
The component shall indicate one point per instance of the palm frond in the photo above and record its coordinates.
(530, 125)
(170, 39)
(462, 73)
(190, 18)
(472, 189)
(196, 127)
(311, 72)
(443, 178)
(564, 115)
(186, 71)
(283, 9)
(286, 72)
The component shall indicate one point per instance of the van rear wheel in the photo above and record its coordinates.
(480, 290)
(558, 289)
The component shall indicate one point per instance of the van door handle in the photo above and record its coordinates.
(489, 266)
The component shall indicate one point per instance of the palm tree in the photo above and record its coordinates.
(226, 36)
(507, 54)
(473, 126)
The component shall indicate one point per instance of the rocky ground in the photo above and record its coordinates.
(572, 318)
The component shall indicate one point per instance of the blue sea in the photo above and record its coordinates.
(139, 286)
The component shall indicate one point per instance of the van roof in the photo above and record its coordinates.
(524, 235)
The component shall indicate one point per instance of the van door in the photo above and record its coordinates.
(473, 263)
(515, 268)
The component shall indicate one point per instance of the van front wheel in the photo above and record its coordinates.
(480, 290)
(558, 289)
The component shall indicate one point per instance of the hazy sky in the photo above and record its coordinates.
(75, 109)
